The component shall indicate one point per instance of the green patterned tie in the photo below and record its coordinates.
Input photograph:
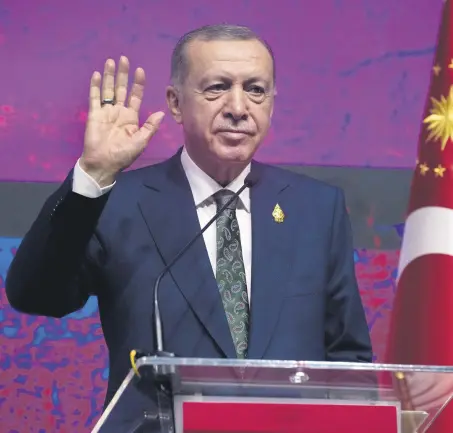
(230, 273)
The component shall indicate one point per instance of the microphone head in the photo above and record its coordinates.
(251, 179)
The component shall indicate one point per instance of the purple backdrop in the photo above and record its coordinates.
(352, 75)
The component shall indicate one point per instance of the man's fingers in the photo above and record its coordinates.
(95, 91)
(137, 90)
(121, 81)
(150, 127)
(108, 81)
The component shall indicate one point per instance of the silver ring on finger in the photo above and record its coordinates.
(108, 101)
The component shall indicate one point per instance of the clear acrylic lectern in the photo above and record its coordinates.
(190, 395)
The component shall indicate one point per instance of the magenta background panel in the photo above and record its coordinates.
(352, 75)
(54, 372)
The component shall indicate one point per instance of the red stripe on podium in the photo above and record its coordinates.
(212, 417)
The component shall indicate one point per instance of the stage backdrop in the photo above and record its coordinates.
(352, 77)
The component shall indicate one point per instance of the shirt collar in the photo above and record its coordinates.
(204, 187)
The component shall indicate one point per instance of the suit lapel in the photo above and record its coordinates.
(270, 248)
(168, 208)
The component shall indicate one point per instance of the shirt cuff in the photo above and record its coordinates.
(83, 184)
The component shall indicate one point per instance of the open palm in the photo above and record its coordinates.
(113, 138)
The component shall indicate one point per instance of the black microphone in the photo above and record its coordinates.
(250, 181)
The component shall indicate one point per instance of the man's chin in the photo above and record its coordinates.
(239, 152)
(234, 156)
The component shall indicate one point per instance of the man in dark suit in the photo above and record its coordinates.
(273, 279)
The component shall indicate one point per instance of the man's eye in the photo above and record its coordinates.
(256, 90)
(216, 88)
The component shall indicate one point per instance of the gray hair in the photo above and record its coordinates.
(218, 32)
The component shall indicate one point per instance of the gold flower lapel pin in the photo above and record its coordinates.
(278, 214)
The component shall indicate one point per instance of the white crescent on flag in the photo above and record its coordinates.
(428, 230)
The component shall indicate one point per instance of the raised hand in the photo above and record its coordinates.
(113, 138)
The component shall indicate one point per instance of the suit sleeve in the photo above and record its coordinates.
(52, 273)
(346, 330)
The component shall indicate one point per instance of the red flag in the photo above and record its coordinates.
(421, 330)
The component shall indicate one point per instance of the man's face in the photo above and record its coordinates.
(225, 103)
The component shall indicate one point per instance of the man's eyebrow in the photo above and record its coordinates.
(229, 79)
(256, 80)
(216, 77)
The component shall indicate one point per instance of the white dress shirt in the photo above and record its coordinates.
(203, 188)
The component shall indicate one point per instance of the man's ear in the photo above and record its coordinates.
(273, 99)
(173, 102)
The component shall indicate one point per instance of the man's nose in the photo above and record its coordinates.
(236, 105)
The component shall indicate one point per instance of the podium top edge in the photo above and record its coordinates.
(313, 365)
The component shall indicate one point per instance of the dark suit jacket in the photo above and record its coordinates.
(305, 303)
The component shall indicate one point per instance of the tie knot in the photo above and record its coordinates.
(223, 196)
